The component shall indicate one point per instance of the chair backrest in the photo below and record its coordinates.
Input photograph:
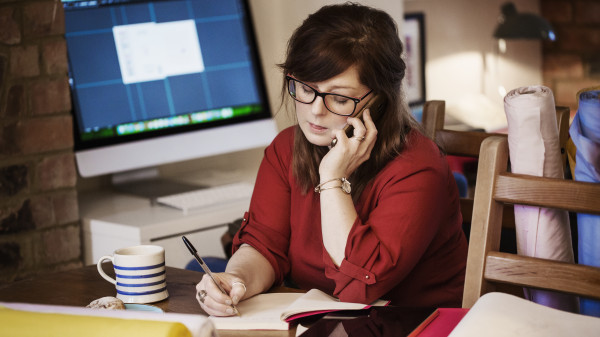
(468, 143)
(496, 187)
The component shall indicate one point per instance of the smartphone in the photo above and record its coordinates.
(348, 128)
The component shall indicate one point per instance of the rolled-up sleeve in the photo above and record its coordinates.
(386, 243)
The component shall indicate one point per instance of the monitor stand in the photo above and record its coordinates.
(148, 184)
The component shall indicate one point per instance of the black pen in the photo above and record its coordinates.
(204, 267)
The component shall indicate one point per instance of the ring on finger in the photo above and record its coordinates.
(202, 294)
(240, 283)
(359, 138)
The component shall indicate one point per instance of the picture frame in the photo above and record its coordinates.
(414, 53)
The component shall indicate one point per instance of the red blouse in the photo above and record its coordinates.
(406, 244)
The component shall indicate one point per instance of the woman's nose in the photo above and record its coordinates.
(318, 106)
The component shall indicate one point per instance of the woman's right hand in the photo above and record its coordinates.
(343, 159)
(213, 301)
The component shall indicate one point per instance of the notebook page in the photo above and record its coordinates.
(261, 312)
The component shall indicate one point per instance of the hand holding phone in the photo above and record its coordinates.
(348, 128)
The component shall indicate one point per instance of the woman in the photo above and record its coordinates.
(375, 216)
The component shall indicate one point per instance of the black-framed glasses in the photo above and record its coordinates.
(337, 104)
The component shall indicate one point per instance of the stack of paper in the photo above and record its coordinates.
(503, 315)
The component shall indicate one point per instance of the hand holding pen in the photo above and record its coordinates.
(204, 288)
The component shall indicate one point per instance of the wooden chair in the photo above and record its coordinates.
(496, 187)
(468, 143)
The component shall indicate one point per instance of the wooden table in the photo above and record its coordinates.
(78, 287)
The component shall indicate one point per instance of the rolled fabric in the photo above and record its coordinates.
(585, 133)
(534, 149)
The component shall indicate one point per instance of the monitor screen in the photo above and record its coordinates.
(160, 81)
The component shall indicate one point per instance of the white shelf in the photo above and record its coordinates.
(112, 220)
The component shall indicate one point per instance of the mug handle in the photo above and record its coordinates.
(101, 271)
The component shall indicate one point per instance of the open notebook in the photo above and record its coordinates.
(275, 311)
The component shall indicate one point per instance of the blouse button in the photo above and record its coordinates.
(367, 277)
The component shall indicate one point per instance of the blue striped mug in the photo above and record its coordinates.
(140, 273)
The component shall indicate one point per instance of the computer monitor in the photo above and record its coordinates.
(156, 82)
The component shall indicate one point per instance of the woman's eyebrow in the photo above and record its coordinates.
(314, 85)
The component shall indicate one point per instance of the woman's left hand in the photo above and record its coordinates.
(349, 152)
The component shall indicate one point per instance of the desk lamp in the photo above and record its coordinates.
(515, 25)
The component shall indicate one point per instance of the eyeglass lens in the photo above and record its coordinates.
(337, 104)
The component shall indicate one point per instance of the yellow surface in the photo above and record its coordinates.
(16, 323)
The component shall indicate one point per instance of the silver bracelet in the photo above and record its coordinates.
(346, 186)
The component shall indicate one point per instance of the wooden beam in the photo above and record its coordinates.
(535, 272)
(539, 191)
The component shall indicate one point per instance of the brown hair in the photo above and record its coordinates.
(327, 43)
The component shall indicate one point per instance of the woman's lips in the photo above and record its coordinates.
(317, 129)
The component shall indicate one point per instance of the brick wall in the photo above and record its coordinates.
(39, 220)
(572, 62)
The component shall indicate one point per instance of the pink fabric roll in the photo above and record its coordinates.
(534, 149)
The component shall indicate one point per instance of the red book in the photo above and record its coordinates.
(440, 323)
